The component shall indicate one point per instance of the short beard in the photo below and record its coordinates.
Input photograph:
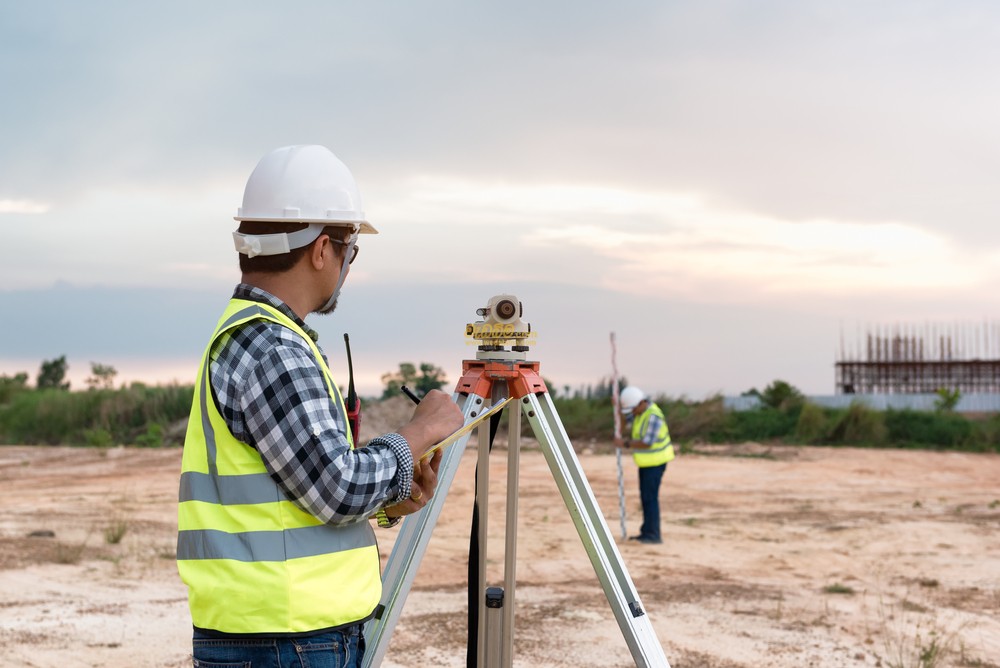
(333, 307)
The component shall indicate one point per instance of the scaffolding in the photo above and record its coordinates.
(921, 359)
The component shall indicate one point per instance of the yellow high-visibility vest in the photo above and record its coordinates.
(662, 450)
(253, 561)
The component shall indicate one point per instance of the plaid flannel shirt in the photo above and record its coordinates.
(652, 428)
(273, 396)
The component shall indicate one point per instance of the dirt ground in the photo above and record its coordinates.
(773, 556)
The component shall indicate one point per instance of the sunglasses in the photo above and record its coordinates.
(353, 251)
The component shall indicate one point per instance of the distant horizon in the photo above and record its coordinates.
(368, 384)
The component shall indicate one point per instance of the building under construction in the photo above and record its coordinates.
(921, 359)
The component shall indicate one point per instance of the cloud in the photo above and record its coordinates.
(26, 206)
(152, 236)
(682, 243)
(797, 111)
(713, 251)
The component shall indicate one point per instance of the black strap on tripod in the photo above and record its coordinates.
(472, 655)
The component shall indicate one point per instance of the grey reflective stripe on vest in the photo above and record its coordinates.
(664, 427)
(273, 545)
(665, 444)
(206, 422)
(229, 490)
(248, 312)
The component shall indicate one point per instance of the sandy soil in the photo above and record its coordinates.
(774, 556)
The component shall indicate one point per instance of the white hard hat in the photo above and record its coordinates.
(299, 184)
(631, 397)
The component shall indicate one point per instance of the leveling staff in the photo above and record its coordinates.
(651, 450)
(274, 541)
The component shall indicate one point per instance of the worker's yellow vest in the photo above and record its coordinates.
(253, 561)
(662, 451)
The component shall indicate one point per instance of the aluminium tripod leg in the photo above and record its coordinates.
(411, 543)
(594, 532)
(510, 536)
(497, 604)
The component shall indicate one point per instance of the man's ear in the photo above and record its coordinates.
(317, 251)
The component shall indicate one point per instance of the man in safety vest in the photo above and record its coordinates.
(651, 449)
(275, 543)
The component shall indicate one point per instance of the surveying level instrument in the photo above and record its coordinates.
(499, 373)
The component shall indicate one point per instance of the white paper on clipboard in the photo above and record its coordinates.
(467, 427)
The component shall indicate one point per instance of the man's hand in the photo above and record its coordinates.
(436, 417)
(621, 443)
(424, 483)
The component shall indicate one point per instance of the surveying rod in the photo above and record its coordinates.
(616, 408)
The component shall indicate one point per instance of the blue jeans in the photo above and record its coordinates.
(333, 649)
(649, 493)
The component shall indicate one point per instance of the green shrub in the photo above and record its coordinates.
(859, 425)
(762, 424)
(689, 420)
(98, 437)
(48, 417)
(812, 425)
(152, 437)
(782, 395)
(947, 399)
(12, 385)
(989, 433)
(94, 417)
(586, 418)
(909, 428)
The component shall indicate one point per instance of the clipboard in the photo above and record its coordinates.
(467, 427)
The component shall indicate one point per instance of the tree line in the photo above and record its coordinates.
(52, 376)
(156, 415)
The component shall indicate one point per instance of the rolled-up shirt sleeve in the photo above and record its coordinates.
(652, 432)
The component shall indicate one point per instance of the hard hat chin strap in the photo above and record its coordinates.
(253, 245)
(332, 301)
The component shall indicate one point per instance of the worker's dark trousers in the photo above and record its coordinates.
(342, 648)
(649, 492)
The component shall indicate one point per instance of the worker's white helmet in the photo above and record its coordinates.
(631, 397)
(299, 184)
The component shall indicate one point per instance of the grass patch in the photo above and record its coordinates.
(70, 553)
(912, 636)
(838, 588)
(115, 532)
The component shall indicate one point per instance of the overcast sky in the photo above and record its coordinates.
(731, 187)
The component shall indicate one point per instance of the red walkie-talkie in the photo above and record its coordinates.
(353, 403)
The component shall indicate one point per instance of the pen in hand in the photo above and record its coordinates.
(409, 393)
